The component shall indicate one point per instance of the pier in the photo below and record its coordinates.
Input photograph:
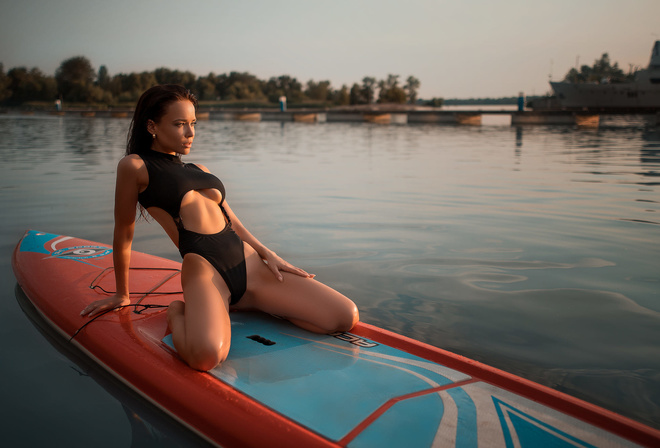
(379, 115)
(398, 116)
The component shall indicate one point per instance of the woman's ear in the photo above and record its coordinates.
(151, 126)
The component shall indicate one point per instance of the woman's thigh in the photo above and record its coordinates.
(297, 298)
(206, 296)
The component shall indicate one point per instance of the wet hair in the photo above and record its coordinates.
(152, 105)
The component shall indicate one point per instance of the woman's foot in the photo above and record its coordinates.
(174, 311)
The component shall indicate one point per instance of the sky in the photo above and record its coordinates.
(457, 49)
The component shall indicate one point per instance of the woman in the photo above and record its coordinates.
(224, 266)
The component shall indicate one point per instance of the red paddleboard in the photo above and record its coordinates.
(283, 386)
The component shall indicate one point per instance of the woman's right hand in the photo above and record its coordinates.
(110, 303)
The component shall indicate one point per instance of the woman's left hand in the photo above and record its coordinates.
(277, 265)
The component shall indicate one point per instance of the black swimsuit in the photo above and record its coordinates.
(169, 180)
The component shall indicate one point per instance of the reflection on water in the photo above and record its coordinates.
(532, 248)
(149, 426)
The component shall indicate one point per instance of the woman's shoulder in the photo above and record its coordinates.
(201, 167)
(132, 166)
(130, 162)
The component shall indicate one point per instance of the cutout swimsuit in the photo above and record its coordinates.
(169, 180)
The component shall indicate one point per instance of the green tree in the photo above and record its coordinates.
(435, 102)
(221, 86)
(115, 85)
(342, 97)
(319, 91)
(75, 79)
(30, 85)
(5, 93)
(147, 80)
(128, 88)
(368, 89)
(284, 85)
(355, 95)
(239, 86)
(164, 75)
(120, 87)
(412, 84)
(602, 71)
(103, 78)
(573, 76)
(103, 91)
(390, 92)
(205, 87)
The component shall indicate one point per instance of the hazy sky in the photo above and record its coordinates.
(457, 49)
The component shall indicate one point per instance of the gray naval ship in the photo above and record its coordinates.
(642, 94)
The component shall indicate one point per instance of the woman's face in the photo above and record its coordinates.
(175, 130)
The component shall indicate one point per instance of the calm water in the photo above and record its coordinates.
(534, 249)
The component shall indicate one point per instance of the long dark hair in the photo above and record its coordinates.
(152, 106)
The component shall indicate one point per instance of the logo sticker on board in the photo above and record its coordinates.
(355, 340)
(82, 252)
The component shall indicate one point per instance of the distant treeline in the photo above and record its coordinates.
(75, 81)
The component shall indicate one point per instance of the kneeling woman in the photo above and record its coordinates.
(224, 266)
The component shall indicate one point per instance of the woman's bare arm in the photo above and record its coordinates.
(274, 261)
(126, 192)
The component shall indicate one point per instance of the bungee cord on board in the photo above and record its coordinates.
(135, 305)
(139, 308)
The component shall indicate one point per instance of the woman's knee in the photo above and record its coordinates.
(348, 317)
(342, 318)
(207, 357)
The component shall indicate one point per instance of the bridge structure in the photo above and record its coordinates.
(379, 115)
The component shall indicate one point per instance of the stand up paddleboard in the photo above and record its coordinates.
(283, 386)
